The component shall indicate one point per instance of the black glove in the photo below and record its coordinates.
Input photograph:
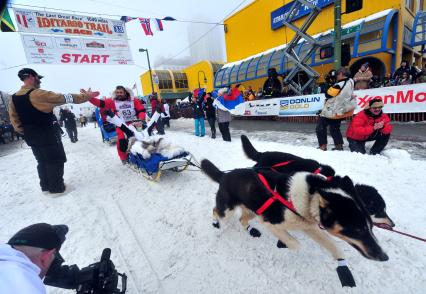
(109, 113)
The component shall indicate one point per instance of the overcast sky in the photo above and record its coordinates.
(163, 45)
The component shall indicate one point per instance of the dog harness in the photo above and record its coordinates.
(317, 171)
(275, 196)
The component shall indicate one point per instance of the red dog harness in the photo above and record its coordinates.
(317, 171)
(275, 196)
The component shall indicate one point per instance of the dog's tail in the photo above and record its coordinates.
(249, 150)
(211, 170)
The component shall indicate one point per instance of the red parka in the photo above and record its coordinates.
(362, 125)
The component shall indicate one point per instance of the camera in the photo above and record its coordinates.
(98, 278)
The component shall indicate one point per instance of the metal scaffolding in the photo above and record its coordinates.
(290, 52)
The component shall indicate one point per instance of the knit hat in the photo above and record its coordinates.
(40, 235)
(375, 102)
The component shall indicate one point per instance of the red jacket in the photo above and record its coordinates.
(104, 105)
(362, 124)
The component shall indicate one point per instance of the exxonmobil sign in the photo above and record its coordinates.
(399, 99)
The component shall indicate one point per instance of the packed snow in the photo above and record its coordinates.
(161, 235)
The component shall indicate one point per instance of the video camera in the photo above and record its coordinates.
(98, 278)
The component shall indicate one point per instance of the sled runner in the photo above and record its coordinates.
(107, 130)
(153, 167)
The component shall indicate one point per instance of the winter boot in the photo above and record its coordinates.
(323, 147)
(338, 147)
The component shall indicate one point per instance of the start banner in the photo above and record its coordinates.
(57, 23)
(74, 50)
(398, 99)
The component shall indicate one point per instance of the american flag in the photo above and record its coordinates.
(146, 25)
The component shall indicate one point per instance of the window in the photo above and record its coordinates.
(243, 69)
(263, 64)
(410, 4)
(276, 60)
(164, 79)
(252, 67)
(181, 81)
(234, 74)
(225, 78)
(216, 67)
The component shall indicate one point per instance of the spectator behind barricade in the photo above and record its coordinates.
(272, 86)
(339, 104)
(412, 73)
(422, 77)
(165, 116)
(329, 81)
(197, 108)
(405, 79)
(249, 95)
(211, 113)
(371, 124)
(82, 121)
(287, 92)
(363, 77)
(223, 118)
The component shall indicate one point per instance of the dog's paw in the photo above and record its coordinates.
(281, 244)
(216, 224)
(253, 232)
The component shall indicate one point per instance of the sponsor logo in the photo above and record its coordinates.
(67, 43)
(298, 103)
(39, 43)
(118, 29)
(247, 112)
(95, 44)
(40, 50)
(400, 97)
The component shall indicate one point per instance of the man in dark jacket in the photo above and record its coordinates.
(70, 125)
(31, 114)
(371, 124)
(210, 113)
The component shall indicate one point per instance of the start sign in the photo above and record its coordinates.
(84, 58)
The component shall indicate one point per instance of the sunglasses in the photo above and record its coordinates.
(376, 108)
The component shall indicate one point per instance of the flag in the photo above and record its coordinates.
(127, 18)
(6, 22)
(159, 24)
(146, 25)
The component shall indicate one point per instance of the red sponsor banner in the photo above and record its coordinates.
(399, 99)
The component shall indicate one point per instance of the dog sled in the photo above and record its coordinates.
(107, 130)
(153, 167)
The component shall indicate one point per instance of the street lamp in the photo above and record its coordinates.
(205, 79)
(149, 66)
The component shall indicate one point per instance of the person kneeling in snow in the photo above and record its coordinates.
(128, 108)
(371, 124)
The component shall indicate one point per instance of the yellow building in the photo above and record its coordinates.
(177, 84)
(382, 33)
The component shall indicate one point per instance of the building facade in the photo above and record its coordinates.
(382, 33)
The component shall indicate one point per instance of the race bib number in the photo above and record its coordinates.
(126, 110)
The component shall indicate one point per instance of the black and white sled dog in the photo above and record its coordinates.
(289, 163)
(333, 204)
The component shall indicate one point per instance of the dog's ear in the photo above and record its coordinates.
(316, 182)
(327, 170)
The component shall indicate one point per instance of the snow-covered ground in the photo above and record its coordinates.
(161, 233)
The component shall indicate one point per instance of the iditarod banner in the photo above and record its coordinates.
(57, 23)
(398, 99)
(75, 50)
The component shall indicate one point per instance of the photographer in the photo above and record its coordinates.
(27, 257)
(33, 254)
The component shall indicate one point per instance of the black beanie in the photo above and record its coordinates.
(40, 235)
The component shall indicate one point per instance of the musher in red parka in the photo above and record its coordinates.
(128, 108)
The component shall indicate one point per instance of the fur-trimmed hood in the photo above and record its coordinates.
(130, 91)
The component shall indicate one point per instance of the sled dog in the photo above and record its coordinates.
(374, 202)
(316, 201)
